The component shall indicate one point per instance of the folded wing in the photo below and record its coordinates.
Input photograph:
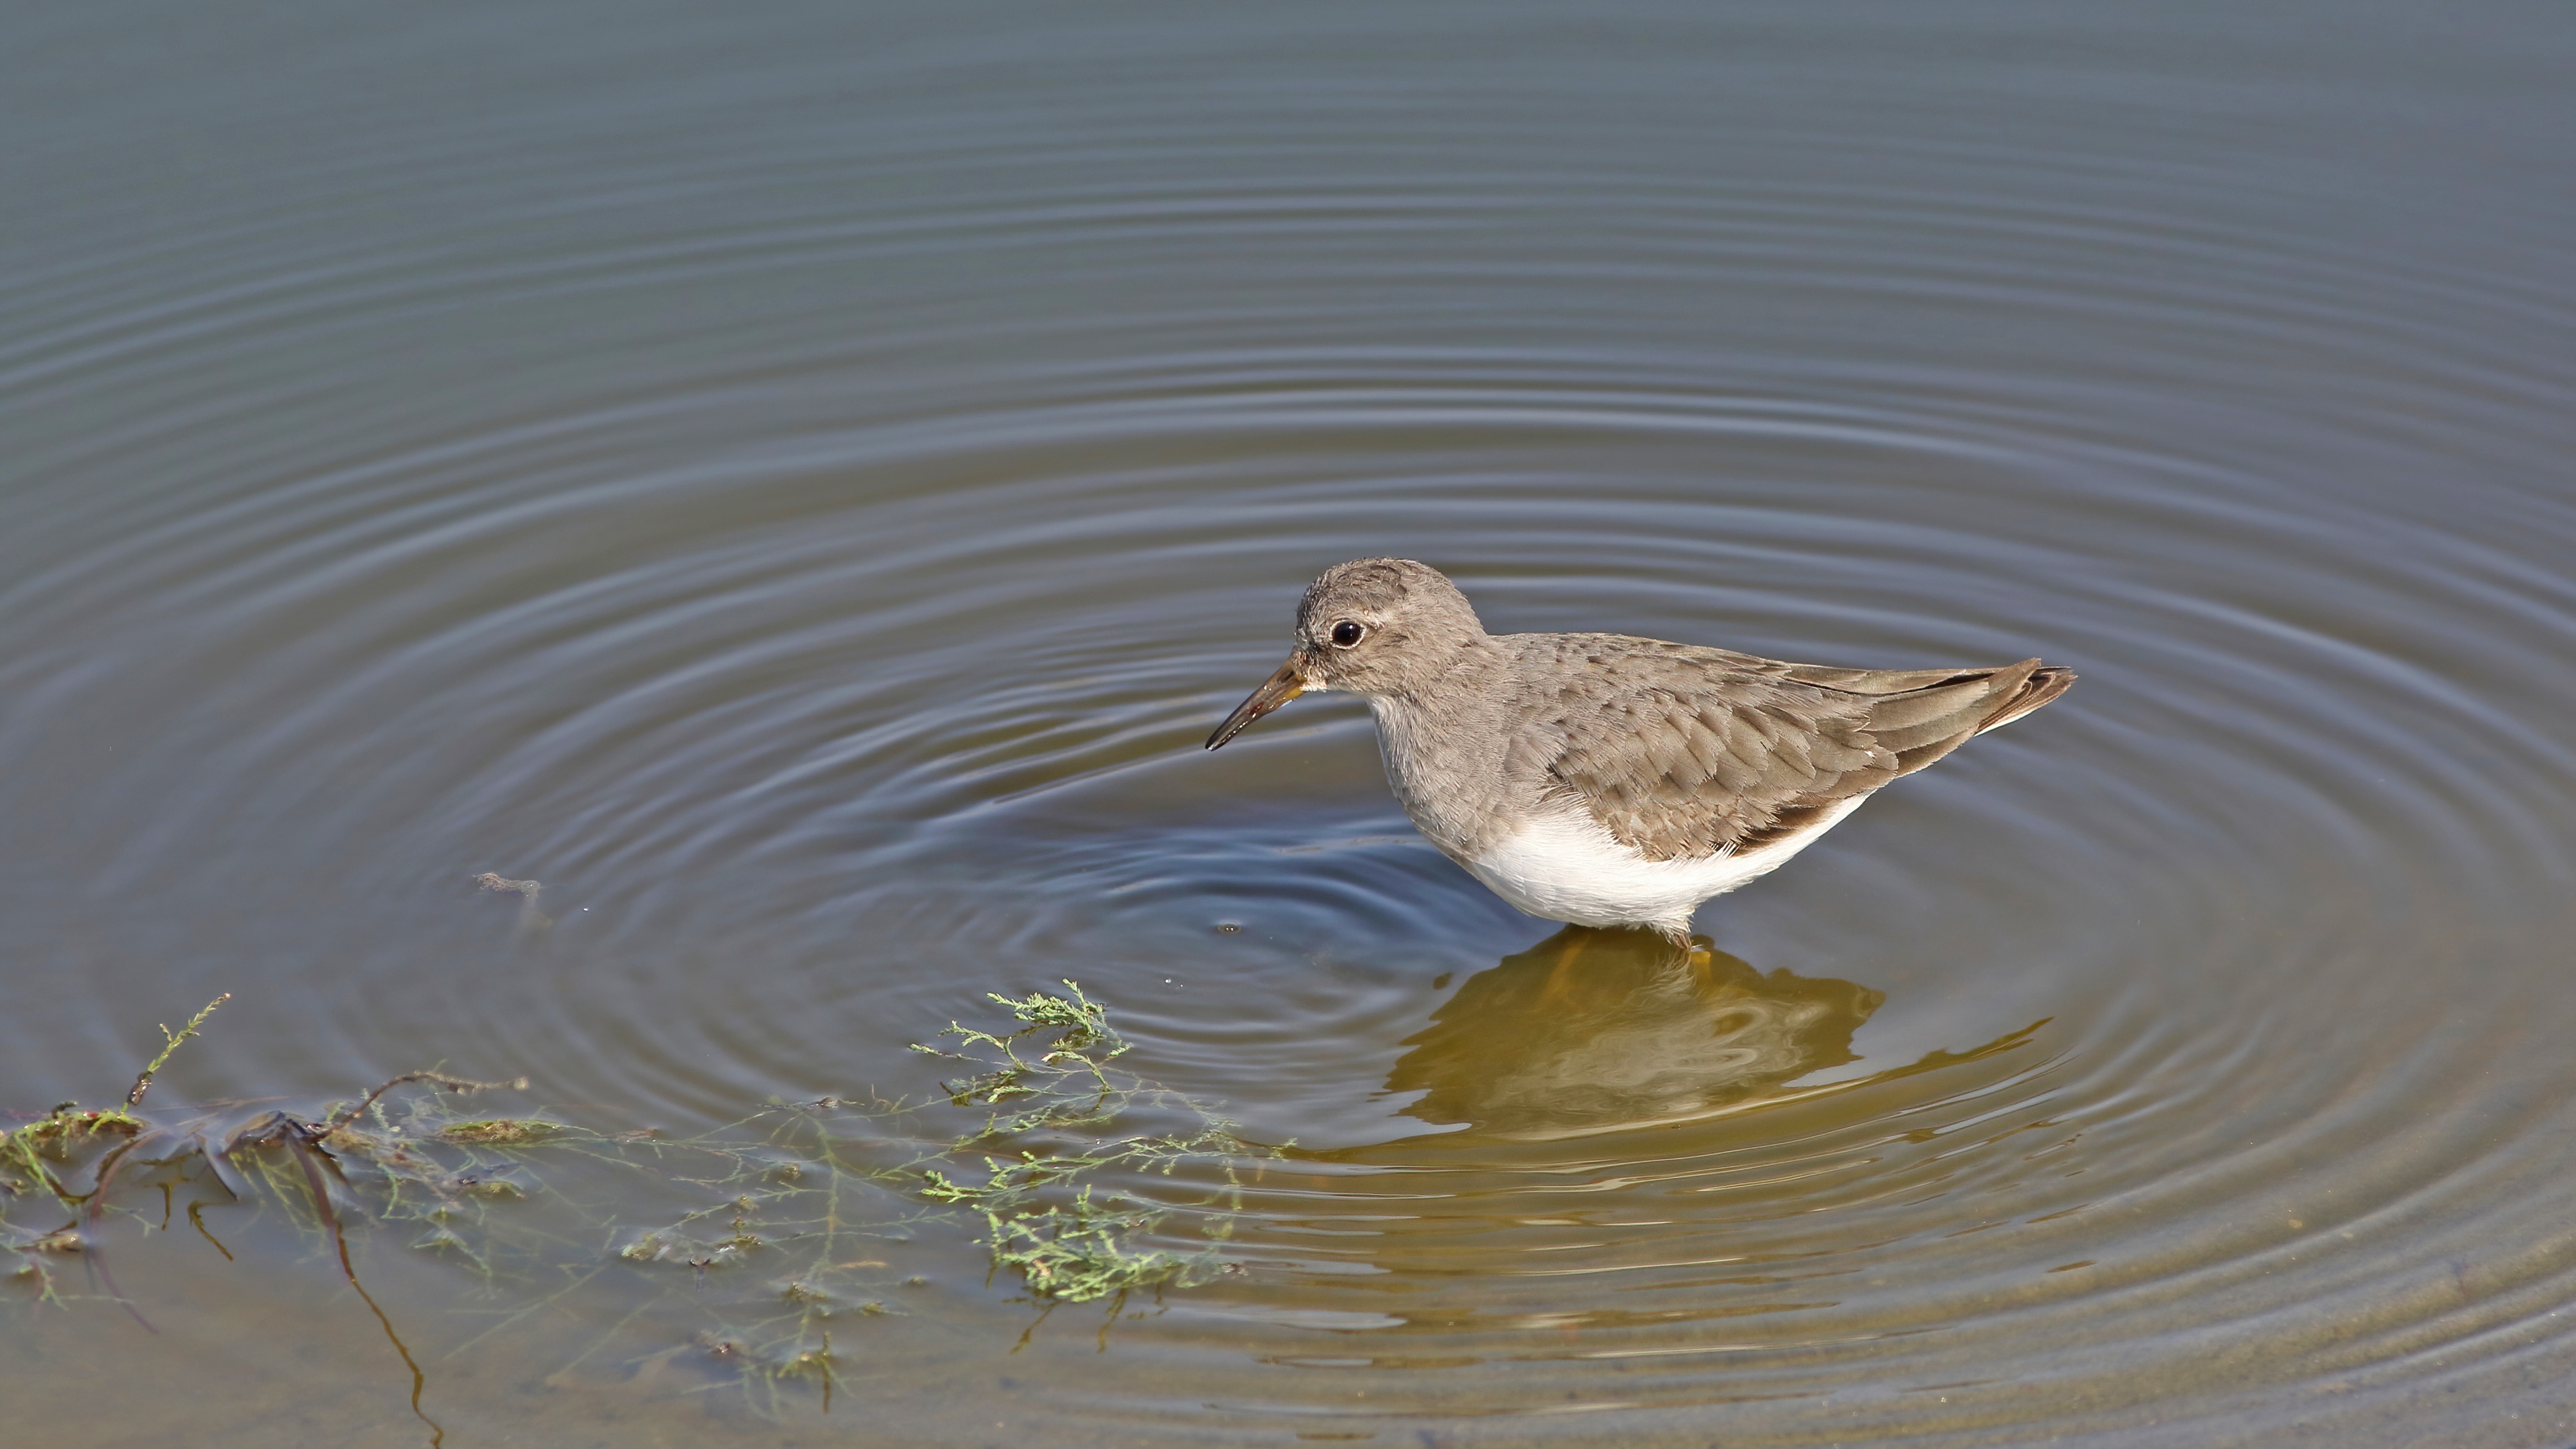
(1682, 752)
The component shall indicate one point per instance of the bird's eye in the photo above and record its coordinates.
(1346, 634)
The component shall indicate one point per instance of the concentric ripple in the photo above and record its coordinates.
(805, 501)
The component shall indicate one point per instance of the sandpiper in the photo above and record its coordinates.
(1607, 780)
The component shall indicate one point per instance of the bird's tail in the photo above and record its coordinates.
(2045, 682)
(1926, 722)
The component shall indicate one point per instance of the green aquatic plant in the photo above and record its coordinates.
(1046, 1213)
(54, 1146)
(61, 1133)
(774, 1234)
(169, 1043)
(1081, 1049)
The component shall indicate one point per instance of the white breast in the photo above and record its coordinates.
(1564, 866)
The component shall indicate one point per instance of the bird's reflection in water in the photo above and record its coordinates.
(1600, 1031)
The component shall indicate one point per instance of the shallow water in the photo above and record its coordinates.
(802, 484)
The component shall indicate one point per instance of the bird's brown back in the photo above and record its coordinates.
(1681, 751)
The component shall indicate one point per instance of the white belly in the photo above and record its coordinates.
(1565, 867)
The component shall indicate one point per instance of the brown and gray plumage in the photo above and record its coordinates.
(1609, 780)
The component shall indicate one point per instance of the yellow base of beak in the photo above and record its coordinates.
(1275, 691)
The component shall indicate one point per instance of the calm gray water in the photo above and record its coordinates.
(801, 482)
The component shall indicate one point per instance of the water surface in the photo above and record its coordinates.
(801, 485)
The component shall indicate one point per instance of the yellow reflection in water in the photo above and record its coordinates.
(1600, 1031)
(1640, 1149)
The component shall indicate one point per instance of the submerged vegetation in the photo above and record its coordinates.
(1082, 1180)
(1043, 1159)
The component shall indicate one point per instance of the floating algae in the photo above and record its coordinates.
(1043, 1213)
(796, 1204)
(500, 1132)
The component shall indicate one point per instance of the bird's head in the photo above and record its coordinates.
(1373, 626)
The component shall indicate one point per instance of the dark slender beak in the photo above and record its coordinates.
(1275, 691)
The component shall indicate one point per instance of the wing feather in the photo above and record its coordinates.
(1682, 752)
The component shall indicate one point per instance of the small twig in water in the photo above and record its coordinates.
(526, 890)
(440, 1080)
